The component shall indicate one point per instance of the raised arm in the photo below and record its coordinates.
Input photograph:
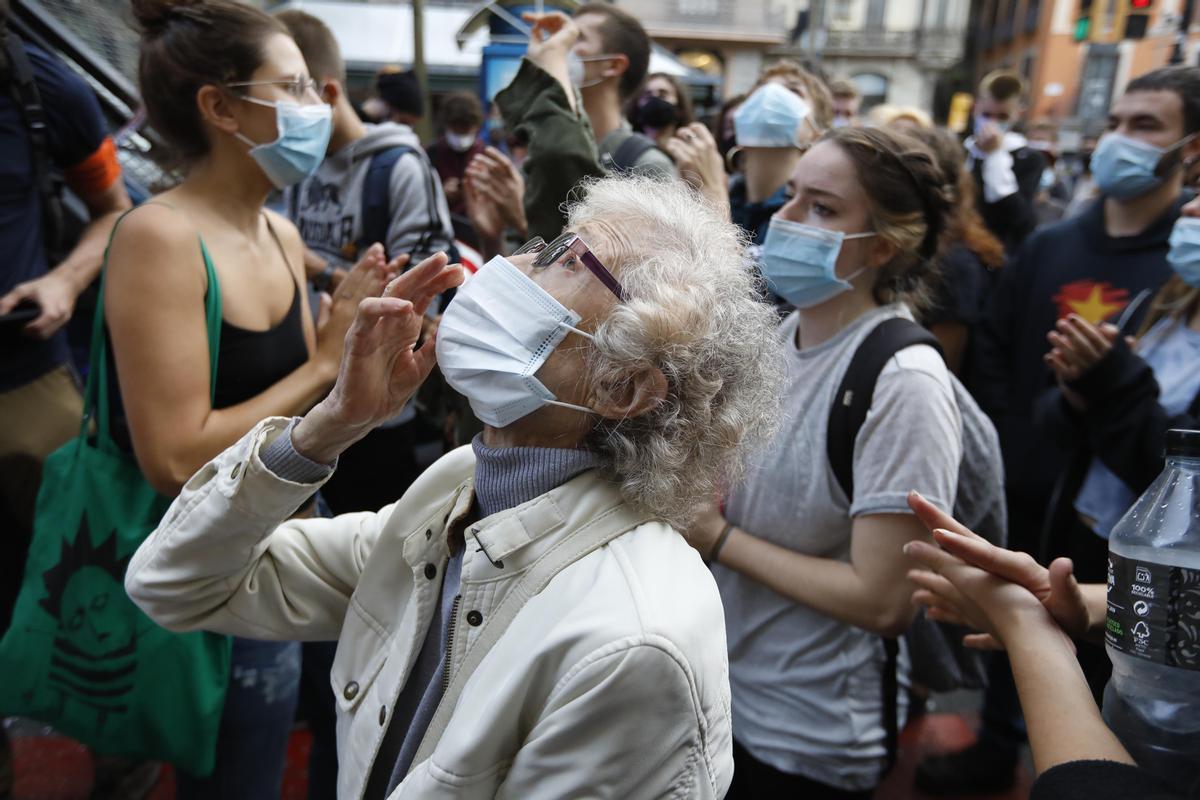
(223, 560)
(541, 102)
(154, 306)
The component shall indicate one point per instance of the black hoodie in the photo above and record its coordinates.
(1072, 266)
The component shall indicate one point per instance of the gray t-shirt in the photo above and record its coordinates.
(806, 687)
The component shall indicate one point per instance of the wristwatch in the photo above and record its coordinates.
(322, 282)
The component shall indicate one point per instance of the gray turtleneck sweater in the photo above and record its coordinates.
(504, 478)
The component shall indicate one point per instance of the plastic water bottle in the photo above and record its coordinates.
(1152, 702)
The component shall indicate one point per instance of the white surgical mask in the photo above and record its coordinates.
(460, 142)
(576, 73)
(494, 337)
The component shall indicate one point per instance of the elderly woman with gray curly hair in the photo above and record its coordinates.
(527, 621)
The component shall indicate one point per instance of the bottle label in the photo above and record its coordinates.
(1154, 611)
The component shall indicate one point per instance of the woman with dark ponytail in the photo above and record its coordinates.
(228, 90)
(813, 576)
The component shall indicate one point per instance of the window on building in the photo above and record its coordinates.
(843, 10)
(941, 19)
(873, 88)
(876, 15)
(699, 8)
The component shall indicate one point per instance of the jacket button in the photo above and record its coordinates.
(351, 690)
(474, 619)
(429, 533)
(382, 714)
(430, 571)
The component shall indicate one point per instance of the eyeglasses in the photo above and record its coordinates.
(297, 87)
(563, 251)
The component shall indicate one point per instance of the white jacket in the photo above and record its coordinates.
(612, 681)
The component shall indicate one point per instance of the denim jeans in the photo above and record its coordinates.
(255, 725)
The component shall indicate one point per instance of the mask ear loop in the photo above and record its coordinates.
(1169, 161)
(560, 403)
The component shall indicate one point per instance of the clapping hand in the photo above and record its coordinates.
(495, 192)
(966, 580)
(1077, 346)
(700, 163)
(381, 366)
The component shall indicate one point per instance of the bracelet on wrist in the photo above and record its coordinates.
(324, 280)
(721, 539)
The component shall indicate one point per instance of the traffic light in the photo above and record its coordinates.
(1083, 25)
(1138, 18)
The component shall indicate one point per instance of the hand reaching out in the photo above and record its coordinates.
(969, 581)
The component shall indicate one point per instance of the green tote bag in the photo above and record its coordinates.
(79, 655)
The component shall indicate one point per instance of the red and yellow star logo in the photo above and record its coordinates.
(1091, 300)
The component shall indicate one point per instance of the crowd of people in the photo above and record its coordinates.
(590, 449)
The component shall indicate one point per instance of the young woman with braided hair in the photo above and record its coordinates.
(811, 580)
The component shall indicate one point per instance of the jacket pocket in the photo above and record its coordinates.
(361, 652)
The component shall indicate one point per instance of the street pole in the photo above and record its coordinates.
(1181, 36)
(423, 127)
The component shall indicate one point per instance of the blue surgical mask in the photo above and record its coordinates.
(300, 147)
(800, 262)
(1184, 255)
(1124, 167)
(771, 117)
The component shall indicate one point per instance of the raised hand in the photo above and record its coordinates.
(366, 279)
(550, 40)
(1077, 346)
(700, 163)
(495, 193)
(381, 367)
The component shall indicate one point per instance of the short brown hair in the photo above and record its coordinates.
(317, 45)
(1002, 85)
(909, 207)
(843, 89)
(461, 108)
(623, 34)
(816, 89)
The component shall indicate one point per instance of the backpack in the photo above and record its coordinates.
(376, 211)
(628, 152)
(939, 659)
(23, 89)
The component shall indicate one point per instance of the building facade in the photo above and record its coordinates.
(727, 39)
(1077, 55)
(895, 50)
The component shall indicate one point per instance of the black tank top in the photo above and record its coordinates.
(248, 362)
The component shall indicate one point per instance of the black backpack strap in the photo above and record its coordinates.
(891, 701)
(626, 156)
(853, 398)
(377, 202)
(377, 197)
(24, 91)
